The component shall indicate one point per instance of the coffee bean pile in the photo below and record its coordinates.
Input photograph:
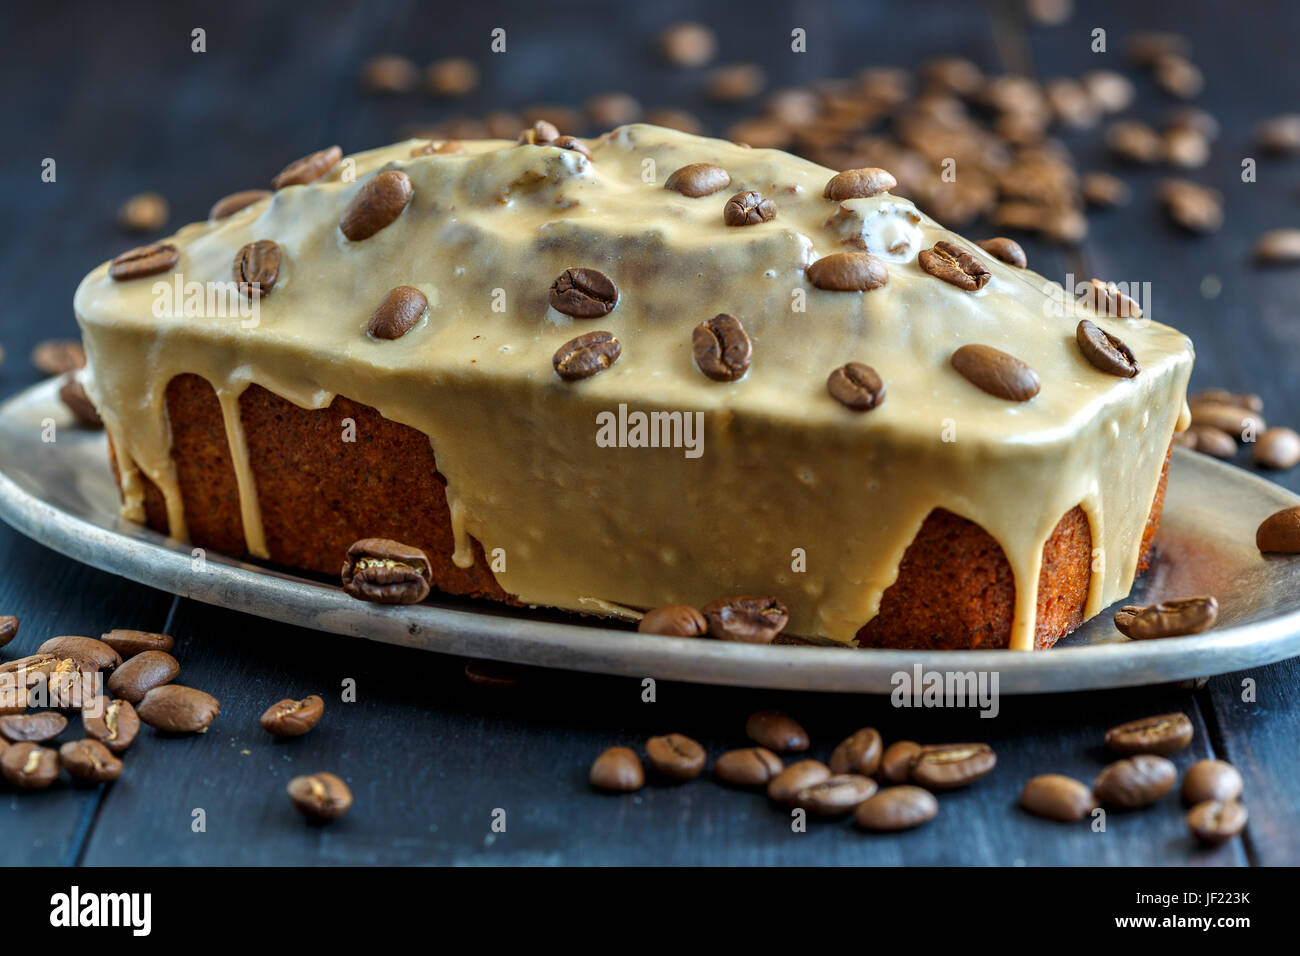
(1221, 418)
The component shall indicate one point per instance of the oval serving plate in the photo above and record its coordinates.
(62, 494)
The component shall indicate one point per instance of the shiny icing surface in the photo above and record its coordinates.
(790, 494)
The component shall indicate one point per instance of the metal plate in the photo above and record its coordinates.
(62, 494)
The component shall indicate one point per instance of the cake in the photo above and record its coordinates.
(645, 369)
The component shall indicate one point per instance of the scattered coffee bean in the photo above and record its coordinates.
(674, 620)
(677, 119)
(113, 723)
(1177, 618)
(74, 398)
(748, 767)
(797, 777)
(996, 372)
(1215, 821)
(573, 143)
(698, 179)
(1106, 352)
(1280, 134)
(1234, 419)
(1133, 141)
(40, 663)
(1113, 92)
(858, 753)
(399, 311)
(178, 710)
(449, 147)
(59, 356)
(953, 264)
(141, 674)
(308, 169)
(836, 795)
(1277, 448)
(229, 205)
(749, 619)
(1177, 76)
(386, 572)
(89, 761)
(1194, 207)
(376, 205)
(748, 209)
(1278, 247)
(1007, 250)
(129, 643)
(1147, 46)
(144, 261)
(1103, 189)
(95, 653)
(618, 769)
(586, 355)
(1135, 781)
(1186, 148)
(859, 184)
(1211, 780)
(896, 761)
(8, 628)
(37, 728)
(688, 44)
(1212, 441)
(949, 766)
(389, 73)
(541, 133)
(257, 266)
(454, 76)
(738, 81)
(897, 808)
(583, 293)
(722, 348)
(1280, 532)
(29, 766)
(144, 212)
(608, 110)
(1106, 298)
(676, 756)
(292, 718)
(848, 272)
(1057, 797)
(856, 386)
(320, 796)
(777, 731)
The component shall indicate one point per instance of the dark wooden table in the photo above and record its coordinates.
(113, 93)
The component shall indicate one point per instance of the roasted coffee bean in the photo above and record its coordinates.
(896, 761)
(1147, 46)
(573, 143)
(1278, 247)
(859, 184)
(749, 619)
(897, 808)
(448, 147)
(113, 723)
(1280, 134)
(59, 356)
(1106, 298)
(29, 766)
(541, 133)
(996, 372)
(141, 674)
(1177, 76)
(676, 756)
(722, 348)
(1006, 250)
(144, 212)
(608, 110)
(75, 399)
(1103, 189)
(376, 205)
(583, 293)
(41, 663)
(257, 266)
(748, 209)
(1133, 141)
(1234, 419)
(400, 310)
(848, 272)
(856, 386)
(681, 120)
(229, 205)
(748, 767)
(179, 710)
(70, 683)
(1277, 448)
(1112, 91)
(308, 169)
(1176, 618)
(1057, 797)
(1215, 821)
(1195, 207)
(129, 643)
(618, 769)
(1211, 780)
(8, 628)
(386, 572)
(1106, 352)
(389, 73)
(37, 728)
(737, 81)
(1280, 532)
(795, 778)
(1135, 781)
(453, 76)
(586, 355)
(859, 753)
(1186, 148)
(674, 620)
(320, 796)
(688, 44)
(836, 795)
(698, 179)
(292, 718)
(1212, 441)
(1163, 734)
(777, 731)
(86, 649)
(89, 761)
(144, 261)
(949, 766)
(953, 264)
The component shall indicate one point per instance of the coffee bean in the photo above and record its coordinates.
(448, 147)
(1135, 781)
(949, 766)
(698, 179)
(143, 212)
(59, 356)
(1177, 76)
(37, 728)
(1277, 448)
(777, 731)
(1233, 419)
(897, 808)
(573, 143)
(496, 675)
(141, 674)
(858, 753)
(1278, 247)
(229, 205)
(376, 205)
(144, 261)
(1211, 780)
(308, 169)
(453, 76)
(856, 386)
(996, 372)
(797, 777)
(1106, 352)
(688, 44)
(1194, 207)
(292, 718)
(399, 311)
(1214, 821)
(95, 653)
(583, 293)
(179, 710)
(848, 272)
(608, 110)
(1147, 46)
(737, 81)
(257, 266)
(386, 572)
(1280, 532)
(1186, 148)
(1176, 618)
(586, 355)
(953, 264)
(896, 762)
(129, 643)
(1057, 797)
(836, 795)
(749, 619)
(1280, 134)
(618, 769)
(681, 120)
(748, 209)
(388, 73)
(541, 133)
(1106, 298)
(75, 399)
(1006, 250)
(29, 766)
(748, 767)
(8, 628)
(89, 761)
(40, 663)
(676, 756)
(1133, 141)
(859, 184)
(674, 620)
(1112, 91)
(70, 683)
(723, 350)
(1212, 441)
(320, 796)
(1103, 189)
(1163, 734)
(113, 723)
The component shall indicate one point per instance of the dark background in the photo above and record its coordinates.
(112, 92)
